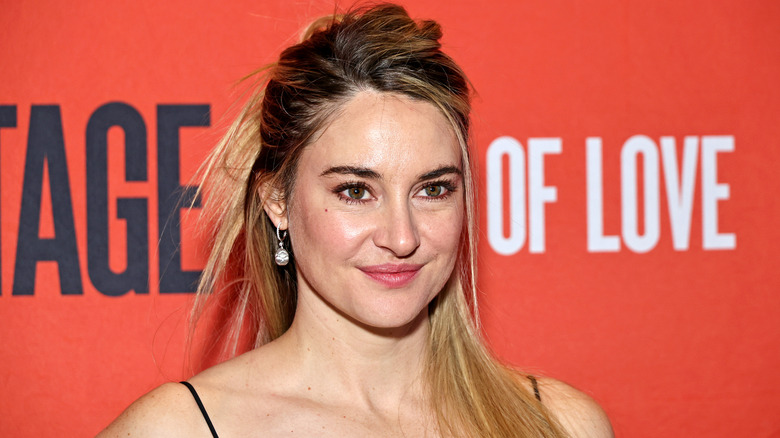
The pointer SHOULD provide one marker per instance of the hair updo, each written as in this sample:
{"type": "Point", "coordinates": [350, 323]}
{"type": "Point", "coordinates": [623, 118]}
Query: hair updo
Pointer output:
{"type": "Point", "coordinates": [380, 50]}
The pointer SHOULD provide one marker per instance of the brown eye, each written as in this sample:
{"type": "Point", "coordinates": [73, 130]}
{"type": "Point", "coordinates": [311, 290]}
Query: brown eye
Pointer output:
{"type": "Point", "coordinates": [433, 190]}
{"type": "Point", "coordinates": [356, 192]}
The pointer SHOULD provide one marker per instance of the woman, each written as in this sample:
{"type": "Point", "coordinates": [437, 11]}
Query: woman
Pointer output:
{"type": "Point", "coordinates": [344, 245]}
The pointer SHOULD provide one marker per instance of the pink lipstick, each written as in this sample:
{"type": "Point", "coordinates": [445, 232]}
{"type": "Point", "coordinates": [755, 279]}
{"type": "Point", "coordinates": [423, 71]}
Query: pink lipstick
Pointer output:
{"type": "Point", "coordinates": [390, 275]}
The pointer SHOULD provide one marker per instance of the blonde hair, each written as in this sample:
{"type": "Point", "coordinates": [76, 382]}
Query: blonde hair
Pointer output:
{"type": "Point", "coordinates": [378, 48]}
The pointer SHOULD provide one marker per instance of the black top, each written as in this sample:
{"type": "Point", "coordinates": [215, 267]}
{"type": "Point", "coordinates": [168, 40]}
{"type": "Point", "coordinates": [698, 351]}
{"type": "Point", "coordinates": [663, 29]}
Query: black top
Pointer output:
{"type": "Point", "coordinates": [202, 409]}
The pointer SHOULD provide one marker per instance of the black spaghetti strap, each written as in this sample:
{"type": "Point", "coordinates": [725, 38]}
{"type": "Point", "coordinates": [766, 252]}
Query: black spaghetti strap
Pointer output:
{"type": "Point", "coordinates": [202, 409]}
{"type": "Point", "coordinates": [535, 385]}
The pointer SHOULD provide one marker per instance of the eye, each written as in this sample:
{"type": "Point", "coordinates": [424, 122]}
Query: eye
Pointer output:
{"type": "Point", "coordinates": [434, 190]}
{"type": "Point", "coordinates": [437, 190]}
{"type": "Point", "coordinates": [356, 192]}
{"type": "Point", "coordinates": [353, 192]}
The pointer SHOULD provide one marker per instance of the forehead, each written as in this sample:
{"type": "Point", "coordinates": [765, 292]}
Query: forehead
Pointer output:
{"type": "Point", "coordinates": [386, 132]}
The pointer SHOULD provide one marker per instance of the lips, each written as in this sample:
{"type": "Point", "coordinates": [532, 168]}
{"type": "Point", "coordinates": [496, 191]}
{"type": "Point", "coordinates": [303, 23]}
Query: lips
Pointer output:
{"type": "Point", "coordinates": [390, 275]}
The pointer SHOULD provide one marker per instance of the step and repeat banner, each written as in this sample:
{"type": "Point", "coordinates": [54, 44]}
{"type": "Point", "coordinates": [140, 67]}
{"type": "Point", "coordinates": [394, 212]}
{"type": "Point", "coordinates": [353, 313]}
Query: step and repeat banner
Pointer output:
{"type": "Point", "coordinates": [628, 164]}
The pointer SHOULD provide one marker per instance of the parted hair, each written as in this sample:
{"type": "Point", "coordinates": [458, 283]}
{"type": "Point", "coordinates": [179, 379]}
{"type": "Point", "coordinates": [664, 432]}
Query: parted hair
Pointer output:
{"type": "Point", "coordinates": [381, 49]}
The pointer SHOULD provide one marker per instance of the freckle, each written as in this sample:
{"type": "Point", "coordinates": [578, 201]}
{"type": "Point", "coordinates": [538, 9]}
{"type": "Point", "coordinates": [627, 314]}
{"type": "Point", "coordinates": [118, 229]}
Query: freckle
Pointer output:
{"type": "Point", "coordinates": [310, 388]}
{"type": "Point", "coordinates": [333, 339]}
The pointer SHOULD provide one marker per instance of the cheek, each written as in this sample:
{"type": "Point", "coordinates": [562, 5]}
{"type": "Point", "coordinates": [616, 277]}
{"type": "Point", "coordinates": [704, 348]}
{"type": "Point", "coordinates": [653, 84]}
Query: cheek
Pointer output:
{"type": "Point", "coordinates": [321, 233]}
{"type": "Point", "coordinates": [443, 231]}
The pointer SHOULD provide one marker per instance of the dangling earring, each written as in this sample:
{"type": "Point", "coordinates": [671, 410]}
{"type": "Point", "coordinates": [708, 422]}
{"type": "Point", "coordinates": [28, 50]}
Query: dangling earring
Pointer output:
{"type": "Point", "coordinates": [282, 256]}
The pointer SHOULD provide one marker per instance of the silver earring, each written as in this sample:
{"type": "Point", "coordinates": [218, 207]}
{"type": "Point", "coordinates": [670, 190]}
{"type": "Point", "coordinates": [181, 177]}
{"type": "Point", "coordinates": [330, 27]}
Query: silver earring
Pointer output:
{"type": "Point", "coordinates": [282, 256]}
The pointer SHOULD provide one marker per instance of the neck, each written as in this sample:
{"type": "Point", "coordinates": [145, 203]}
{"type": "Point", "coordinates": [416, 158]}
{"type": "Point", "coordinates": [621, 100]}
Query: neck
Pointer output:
{"type": "Point", "coordinates": [350, 360]}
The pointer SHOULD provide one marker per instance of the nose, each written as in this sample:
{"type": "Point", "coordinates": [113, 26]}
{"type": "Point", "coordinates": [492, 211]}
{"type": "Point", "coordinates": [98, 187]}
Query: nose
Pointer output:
{"type": "Point", "coordinates": [397, 231]}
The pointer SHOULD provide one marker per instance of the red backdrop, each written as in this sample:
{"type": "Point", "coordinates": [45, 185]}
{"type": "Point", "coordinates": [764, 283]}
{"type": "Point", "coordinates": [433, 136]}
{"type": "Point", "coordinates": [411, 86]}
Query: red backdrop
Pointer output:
{"type": "Point", "coordinates": [643, 271]}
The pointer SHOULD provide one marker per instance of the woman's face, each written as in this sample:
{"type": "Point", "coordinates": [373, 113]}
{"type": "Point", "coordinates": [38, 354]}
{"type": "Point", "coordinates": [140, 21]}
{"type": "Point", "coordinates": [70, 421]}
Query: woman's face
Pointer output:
{"type": "Point", "coordinates": [376, 212]}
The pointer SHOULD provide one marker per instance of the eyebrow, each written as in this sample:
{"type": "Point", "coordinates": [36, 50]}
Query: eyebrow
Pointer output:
{"type": "Point", "coordinates": [441, 171]}
{"type": "Point", "coordinates": [365, 172]}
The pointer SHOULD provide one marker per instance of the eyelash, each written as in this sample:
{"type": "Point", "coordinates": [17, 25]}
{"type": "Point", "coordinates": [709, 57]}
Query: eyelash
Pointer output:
{"type": "Point", "coordinates": [338, 190]}
{"type": "Point", "coordinates": [449, 186]}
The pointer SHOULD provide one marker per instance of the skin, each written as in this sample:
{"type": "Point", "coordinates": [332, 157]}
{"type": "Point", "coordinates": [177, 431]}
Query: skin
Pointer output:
{"type": "Point", "coordinates": [362, 201]}
{"type": "Point", "coordinates": [379, 190]}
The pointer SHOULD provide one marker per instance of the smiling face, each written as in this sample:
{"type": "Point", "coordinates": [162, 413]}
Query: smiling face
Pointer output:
{"type": "Point", "coordinates": [377, 209]}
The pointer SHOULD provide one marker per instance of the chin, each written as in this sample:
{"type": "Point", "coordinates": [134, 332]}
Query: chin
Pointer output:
{"type": "Point", "coordinates": [392, 326]}
{"type": "Point", "coordinates": [392, 313]}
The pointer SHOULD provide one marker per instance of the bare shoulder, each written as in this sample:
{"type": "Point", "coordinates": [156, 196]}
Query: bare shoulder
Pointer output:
{"type": "Point", "coordinates": [578, 413]}
{"type": "Point", "coordinates": [168, 410]}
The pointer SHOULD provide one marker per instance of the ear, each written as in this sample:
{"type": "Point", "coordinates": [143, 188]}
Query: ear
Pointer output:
{"type": "Point", "coordinates": [274, 205]}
